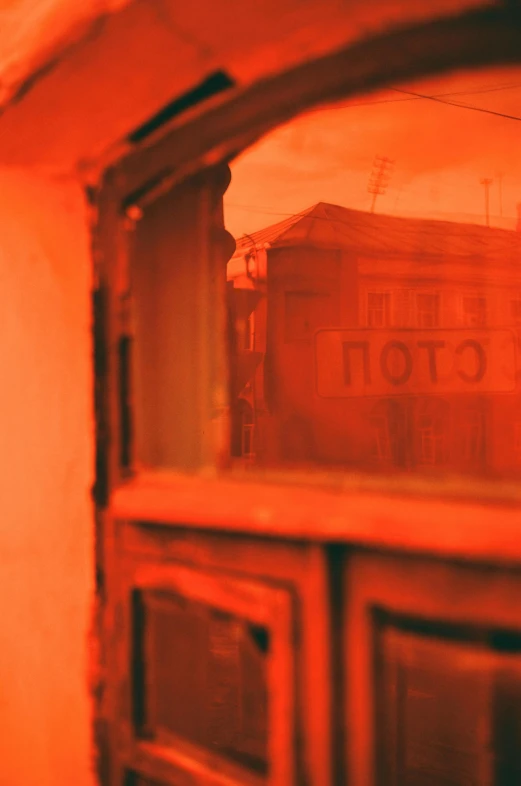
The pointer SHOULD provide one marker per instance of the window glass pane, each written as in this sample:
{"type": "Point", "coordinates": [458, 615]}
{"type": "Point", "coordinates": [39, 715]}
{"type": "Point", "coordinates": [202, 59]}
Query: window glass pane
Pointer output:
{"type": "Point", "coordinates": [378, 254]}
{"type": "Point", "coordinates": [201, 675]}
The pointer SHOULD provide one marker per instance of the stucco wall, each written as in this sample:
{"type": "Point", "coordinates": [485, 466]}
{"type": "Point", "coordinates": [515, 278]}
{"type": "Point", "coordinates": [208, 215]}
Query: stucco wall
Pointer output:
{"type": "Point", "coordinates": [46, 529]}
{"type": "Point", "coordinates": [174, 46]}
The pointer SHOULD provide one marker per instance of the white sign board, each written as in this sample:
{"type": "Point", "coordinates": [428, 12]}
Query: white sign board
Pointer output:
{"type": "Point", "coordinates": [374, 362]}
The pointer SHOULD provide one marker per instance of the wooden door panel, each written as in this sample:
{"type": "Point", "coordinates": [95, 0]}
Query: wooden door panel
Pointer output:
{"type": "Point", "coordinates": [434, 673]}
{"type": "Point", "coordinates": [217, 673]}
{"type": "Point", "coordinates": [201, 644]}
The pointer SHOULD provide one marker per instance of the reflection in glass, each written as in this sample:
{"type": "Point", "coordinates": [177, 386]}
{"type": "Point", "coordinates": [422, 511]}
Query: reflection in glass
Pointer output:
{"type": "Point", "coordinates": [385, 290]}
{"type": "Point", "coordinates": [373, 349]}
{"type": "Point", "coordinates": [378, 309]}
{"type": "Point", "coordinates": [201, 676]}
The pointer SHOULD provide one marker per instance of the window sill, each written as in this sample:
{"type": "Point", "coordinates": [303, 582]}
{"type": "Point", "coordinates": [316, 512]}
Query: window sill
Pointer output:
{"type": "Point", "coordinates": [444, 528]}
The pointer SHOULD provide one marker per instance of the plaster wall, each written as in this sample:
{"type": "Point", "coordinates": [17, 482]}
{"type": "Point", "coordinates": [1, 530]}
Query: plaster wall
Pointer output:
{"type": "Point", "coordinates": [173, 47]}
{"type": "Point", "coordinates": [46, 527]}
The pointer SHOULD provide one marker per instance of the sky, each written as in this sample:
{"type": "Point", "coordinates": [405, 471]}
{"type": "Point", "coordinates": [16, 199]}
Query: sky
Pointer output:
{"type": "Point", "coordinates": [440, 152]}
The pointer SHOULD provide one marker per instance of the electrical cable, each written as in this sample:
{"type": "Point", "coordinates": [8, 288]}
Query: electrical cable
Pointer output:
{"type": "Point", "coordinates": [418, 97]}
{"type": "Point", "coordinates": [439, 100]}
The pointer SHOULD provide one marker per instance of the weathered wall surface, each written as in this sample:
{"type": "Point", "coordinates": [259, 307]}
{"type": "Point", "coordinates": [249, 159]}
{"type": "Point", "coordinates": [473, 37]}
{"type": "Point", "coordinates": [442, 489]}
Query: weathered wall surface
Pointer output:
{"type": "Point", "coordinates": [174, 46]}
{"type": "Point", "coordinates": [46, 527]}
{"type": "Point", "coordinates": [35, 31]}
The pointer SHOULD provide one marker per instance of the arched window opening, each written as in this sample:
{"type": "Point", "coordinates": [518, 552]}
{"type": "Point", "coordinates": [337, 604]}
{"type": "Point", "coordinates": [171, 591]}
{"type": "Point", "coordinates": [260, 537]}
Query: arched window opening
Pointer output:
{"type": "Point", "coordinates": [392, 342]}
{"type": "Point", "coordinates": [393, 286]}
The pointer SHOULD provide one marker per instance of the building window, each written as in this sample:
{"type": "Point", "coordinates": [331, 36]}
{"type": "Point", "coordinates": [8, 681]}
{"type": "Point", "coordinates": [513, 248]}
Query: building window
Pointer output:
{"type": "Point", "coordinates": [431, 426]}
{"type": "Point", "coordinates": [427, 309]}
{"type": "Point", "coordinates": [247, 440]}
{"type": "Point", "coordinates": [381, 443]}
{"type": "Point", "coordinates": [388, 421]}
{"type": "Point", "coordinates": [378, 309]}
{"type": "Point", "coordinates": [249, 342]}
{"type": "Point", "coordinates": [243, 430]}
{"type": "Point", "coordinates": [474, 311]}
{"type": "Point", "coordinates": [244, 331]}
{"type": "Point", "coordinates": [474, 435]}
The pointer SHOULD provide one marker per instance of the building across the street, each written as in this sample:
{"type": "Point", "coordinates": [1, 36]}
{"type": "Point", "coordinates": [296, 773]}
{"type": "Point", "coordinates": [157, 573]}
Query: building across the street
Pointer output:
{"type": "Point", "coordinates": [377, 342]}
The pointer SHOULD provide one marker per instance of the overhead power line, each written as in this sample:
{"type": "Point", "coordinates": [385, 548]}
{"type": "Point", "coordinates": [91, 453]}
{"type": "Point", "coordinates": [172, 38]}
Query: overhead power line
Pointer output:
{"type": "Point", "coordinates": [419, 97]}
{"type": "Point", "coordinates": [439, 100]}
{"type": "Point", "coordinates": [486, 182]}
{"type": "Point", "coordinates": [265, 212]}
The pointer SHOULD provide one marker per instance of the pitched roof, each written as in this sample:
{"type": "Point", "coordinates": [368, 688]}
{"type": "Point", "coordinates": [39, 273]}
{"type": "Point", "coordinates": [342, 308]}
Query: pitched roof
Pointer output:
{"type": "Point", "coordinates": [331, 226]}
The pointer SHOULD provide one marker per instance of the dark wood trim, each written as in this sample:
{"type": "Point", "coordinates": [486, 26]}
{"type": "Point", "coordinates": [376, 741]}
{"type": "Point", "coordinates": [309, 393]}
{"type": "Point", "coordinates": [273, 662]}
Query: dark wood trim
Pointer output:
{"type": "Point", "coordinates": [465, 598]}
{"type": "Point", "coordinates": [291, 584]}
{"type": "Point", "coordinates": [487, 37]}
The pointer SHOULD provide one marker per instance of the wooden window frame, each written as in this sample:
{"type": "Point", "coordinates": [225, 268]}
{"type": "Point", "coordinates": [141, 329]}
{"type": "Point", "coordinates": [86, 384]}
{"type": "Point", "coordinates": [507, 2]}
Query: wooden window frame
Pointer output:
{"type": "Point", "coordinates": [468, 316]}
{"type": "Point", "coordinates": [303, 509]}
{"type": "Point", "coordinates": [436, 295]}
{"type": "Point", "coordinates": [217, 133]}
{"type": "Point", "coordinates": [381, 435]}
{"type": "Point", "coordinates": [387, 308]}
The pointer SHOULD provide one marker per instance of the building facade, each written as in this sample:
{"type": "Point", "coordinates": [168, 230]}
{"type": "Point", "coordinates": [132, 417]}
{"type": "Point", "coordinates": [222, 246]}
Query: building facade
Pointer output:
{"type": "Point", "coordinates": [386, 343]}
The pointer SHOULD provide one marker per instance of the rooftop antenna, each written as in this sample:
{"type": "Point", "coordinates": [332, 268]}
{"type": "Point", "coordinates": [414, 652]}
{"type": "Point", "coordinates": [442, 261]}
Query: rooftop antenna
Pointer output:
{"type": "Point", "coordinates": [500, 177]}
{"type": "Point", "coordinates": [485, 182]}
{"type": "Point", "coordinates": [379, 179]}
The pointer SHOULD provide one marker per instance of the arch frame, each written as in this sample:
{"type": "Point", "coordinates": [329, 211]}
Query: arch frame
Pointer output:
{"type": "Point", "coordinates": [219, 130]}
